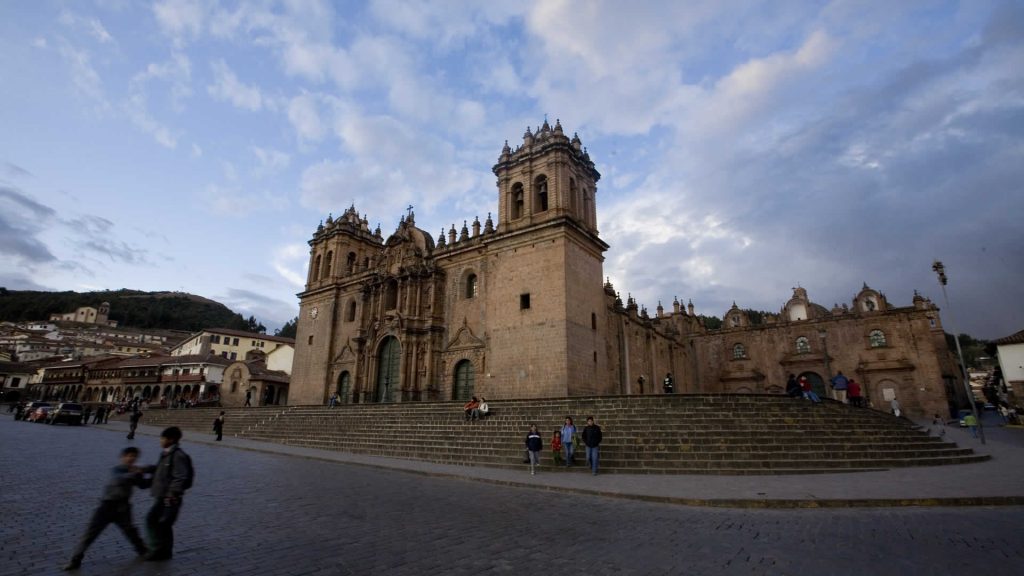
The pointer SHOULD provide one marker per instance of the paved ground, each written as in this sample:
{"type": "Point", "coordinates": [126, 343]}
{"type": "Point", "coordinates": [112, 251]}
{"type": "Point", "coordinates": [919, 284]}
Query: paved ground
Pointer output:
{"type": "Point", "coordinates": [273, 512]}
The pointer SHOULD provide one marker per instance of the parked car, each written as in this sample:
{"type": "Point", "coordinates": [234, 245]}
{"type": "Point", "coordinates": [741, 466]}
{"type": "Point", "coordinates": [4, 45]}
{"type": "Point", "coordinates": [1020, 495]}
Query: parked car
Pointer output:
{"type": "Point", "coordinates": [68, 412]}
{"type": "Point", "coordinates": [41, 413]}
{"type": "Point", "coordinates": [30, 408]}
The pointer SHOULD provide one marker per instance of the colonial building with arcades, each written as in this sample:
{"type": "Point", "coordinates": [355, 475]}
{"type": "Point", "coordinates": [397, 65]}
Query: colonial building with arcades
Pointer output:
{"type": "Point", "coordinates": [519, 308]}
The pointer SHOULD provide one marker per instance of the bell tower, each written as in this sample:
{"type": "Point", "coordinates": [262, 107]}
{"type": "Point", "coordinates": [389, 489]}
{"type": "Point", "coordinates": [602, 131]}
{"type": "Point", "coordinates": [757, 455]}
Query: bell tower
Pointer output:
{"type": "Point", "coordinates": [544, 279]}
{"type": "Point", "coordinates": [549, 176]}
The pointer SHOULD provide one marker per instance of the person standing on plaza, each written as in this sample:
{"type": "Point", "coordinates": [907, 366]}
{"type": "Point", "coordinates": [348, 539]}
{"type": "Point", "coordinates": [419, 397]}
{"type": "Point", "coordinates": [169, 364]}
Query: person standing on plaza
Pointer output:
{"type": "Point", "coordinates": [533, 447]}
{"type": "Point", "coordinates": [568, 432]}
{"type": "Point", "coordinates": [172, 476]}
{"type": "Point", "coordinates": [218, 426]}
{"type": "Point", "coordinates": [115, 508]}
{"type": "Point", "coordinates": [839, 387]}
{"type": "Point", "coordinates": [592, 440]}
{"type": "Point", "coordinates": [669, 384]}
{"type": "Point", "coordinates": [853, 390]}
{"type": "Point", "coordinates": [133, 423]}
{"type": "Point", "coordinates": [86, 412]}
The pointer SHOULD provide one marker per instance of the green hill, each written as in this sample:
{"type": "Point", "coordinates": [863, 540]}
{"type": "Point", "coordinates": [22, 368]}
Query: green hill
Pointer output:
{"type": "Point", "coordinates": [133, 308]}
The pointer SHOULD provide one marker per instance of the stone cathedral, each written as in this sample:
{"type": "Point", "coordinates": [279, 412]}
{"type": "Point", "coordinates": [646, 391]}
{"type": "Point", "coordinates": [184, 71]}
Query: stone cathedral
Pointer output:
{"type": "Point", "coordinates": [519, 308]}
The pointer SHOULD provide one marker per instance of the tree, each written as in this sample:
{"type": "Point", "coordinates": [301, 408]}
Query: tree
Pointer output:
{"type": "Point", "coordinates": [252, 325]}
{"type": "Point", "coordinates": [289, 328]}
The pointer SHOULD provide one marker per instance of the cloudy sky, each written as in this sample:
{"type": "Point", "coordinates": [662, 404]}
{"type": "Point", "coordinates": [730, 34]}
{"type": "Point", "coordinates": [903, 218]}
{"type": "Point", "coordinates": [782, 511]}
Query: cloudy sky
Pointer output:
{"type": "Point", "coordinates": [746, 147]}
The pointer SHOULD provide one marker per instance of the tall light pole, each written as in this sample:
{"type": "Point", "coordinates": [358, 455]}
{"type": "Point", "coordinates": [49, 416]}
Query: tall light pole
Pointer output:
{"type": "Point", "coordinates": [940, 270]}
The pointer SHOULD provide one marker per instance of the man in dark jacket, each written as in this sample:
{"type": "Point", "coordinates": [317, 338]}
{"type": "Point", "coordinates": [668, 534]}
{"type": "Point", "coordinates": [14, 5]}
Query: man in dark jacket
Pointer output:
{"type": "Point", "coordinates": [172, 476]}
{"type": "Point", "coordinates": [115, 507]}
{"type": "Point", "coordinates": [592, 439]}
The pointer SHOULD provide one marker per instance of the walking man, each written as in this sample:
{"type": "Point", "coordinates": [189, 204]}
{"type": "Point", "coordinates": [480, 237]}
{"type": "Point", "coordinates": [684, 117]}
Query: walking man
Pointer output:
{"type": "Point", "coordinates": [592, 440]}
{"type": "Point", "coordinates": [133, 423]}
{"type": "Point", "coordinates": [172, 476]}
{"type": "Point", "coordinates": [218, 426]}
{"type": "Point", "coordinates": [839, 386]}
{"type": "Point", "coordinates": [115, 508]}
{"type": "Point", "coordinates": [248, 397]}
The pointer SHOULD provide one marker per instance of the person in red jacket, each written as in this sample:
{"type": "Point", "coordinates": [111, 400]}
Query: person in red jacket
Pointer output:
{"type": "Point", "coordinates": [809, 394]}
{"type": "Point", "coordinates": [556, 447]}
{"type": "Point", "coordinates": [853, 391]}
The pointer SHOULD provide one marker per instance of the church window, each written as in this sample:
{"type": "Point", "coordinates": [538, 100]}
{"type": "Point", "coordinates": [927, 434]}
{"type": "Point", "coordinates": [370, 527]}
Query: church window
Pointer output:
{"type": "Point", "coordinates": [471, 286]}
{"type": "Point", "coordinates": [573, 196]}
{"type": "Point", "coordinates": [877, 339]}
{"type": "Point", "coordinates": [234, 386]}
{"type": "Point", "coordinates": [739, 352]}
{"type": "Point", "coordinates": [327, 264]}
{"type": "Point", "coordinates": [351, 315]}
{"type": "Point", "coordinates": [391, 295]}
{"type": "Point", "coordinates": [803, 345]}
{"type": "Point", "coordinates": [540, 186]}
{"type": "Point", "coordinates": [593, 321]}
{"type": "Point", "coordinates": [310, 340]}
{"type": "Point", "coordinates": [524, 301]}
{"type": "Point", "coordinates": [316, 268]}
{"type": "Point", "coordinates": [517, 200]}
{"type": "Point", "coordinates": [586, 206]}
{"type": "Point", "coordinates": [350, 262]}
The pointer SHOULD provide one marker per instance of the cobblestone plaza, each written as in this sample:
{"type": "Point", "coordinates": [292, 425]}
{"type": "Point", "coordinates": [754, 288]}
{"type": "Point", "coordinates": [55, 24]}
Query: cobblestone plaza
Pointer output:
{"type": "Point", "coordinates": [252, 512]}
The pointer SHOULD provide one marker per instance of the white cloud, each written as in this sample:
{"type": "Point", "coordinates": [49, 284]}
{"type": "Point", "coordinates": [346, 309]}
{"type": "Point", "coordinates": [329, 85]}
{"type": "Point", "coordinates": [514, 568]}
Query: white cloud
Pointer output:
{"type": "Point", "coordinates": [270, 161]}
{"type": "Point", "coordinates": [86, 80]}
{"type": "Point", "coordinates": [387, 165]}
{"type": "Point", "coordinates": [91, 26]}
{"type": "Point", "coordinates": [197, 151]}
{"type": "Point", "coordinates": [136, 109]}
{"type": "Point", "coordinates": [304, 115]}
{"type": "Point", "coordinates": [228, 88]}
{"type": "Point", "coordinates": [181, 18]}
{"type": "Point", "coordinates": [290, 262]}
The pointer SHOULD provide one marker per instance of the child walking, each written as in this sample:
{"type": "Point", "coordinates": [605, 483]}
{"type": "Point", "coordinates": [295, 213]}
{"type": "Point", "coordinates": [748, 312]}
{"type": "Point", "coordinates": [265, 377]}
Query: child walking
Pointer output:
{"type": "Point", "coordinates": [115, 507]}
{"type": "Point", "coordinates": [556, 447]}
{"type": "Point", "coordinates": [533, 447]}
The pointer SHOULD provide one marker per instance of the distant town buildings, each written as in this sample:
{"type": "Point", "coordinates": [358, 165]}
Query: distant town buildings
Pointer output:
{"type": "Point", "coordinates": [90, 359]}
{"type": "Point", "coordinates": [87, 315]}
{"type": "Point", "coordinates": [1010, 350]}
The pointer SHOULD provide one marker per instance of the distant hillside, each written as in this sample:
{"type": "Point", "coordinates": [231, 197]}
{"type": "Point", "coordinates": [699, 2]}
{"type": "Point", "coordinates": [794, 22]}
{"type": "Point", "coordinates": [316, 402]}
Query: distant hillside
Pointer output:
{"type": "Point", "coordinates": [166, 310]}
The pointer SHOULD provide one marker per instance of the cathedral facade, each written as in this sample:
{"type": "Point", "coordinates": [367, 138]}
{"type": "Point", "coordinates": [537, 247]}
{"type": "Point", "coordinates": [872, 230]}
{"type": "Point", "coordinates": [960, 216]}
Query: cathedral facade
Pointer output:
{"type": "Point", "coordinates": [519, 308]}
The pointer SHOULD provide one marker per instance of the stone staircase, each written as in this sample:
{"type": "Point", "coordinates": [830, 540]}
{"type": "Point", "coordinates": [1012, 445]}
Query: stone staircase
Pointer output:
{"type": "Point", "coordinates": [663, 434]}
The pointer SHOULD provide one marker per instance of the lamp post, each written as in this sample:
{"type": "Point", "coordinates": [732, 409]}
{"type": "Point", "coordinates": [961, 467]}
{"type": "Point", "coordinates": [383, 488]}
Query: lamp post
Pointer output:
{"type": "Point", "coordinates": [940, 270]}
{"type": "Point", "coordinates": [824, 349]}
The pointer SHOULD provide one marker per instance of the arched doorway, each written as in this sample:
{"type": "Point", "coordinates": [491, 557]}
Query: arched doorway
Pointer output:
{"type": "Point", "coordinates": [345, 387]}
{"type": "Point", "coordinates": [388, 376]}
{"type": "Point", "coordinates": [817, 384]}
{"type": "Point", "coordinates": [462, 388]}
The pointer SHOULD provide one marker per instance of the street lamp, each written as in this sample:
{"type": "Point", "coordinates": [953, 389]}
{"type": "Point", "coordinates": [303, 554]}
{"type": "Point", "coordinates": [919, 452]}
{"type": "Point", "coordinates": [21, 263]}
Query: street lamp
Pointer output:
{"type": "Point", "coordinates": [824, 348]}
{"type": "Point", "coordinates": [940, 270]}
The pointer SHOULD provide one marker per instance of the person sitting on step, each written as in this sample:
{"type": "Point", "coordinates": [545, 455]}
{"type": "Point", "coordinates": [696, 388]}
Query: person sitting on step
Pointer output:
{"type": "Point", "coordinates": [482, 410]}
{"type": "Point", "coordinates": [470, 408]}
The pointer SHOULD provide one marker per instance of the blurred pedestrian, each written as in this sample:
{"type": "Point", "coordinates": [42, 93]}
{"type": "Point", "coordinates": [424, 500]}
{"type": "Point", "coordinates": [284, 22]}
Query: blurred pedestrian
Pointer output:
{"type": "Point", "coordinates": [115, 508]}
{"type": "Point", "coordinates": [172, 476]}
{"type": "Point", "coordinates": [218, 426]}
